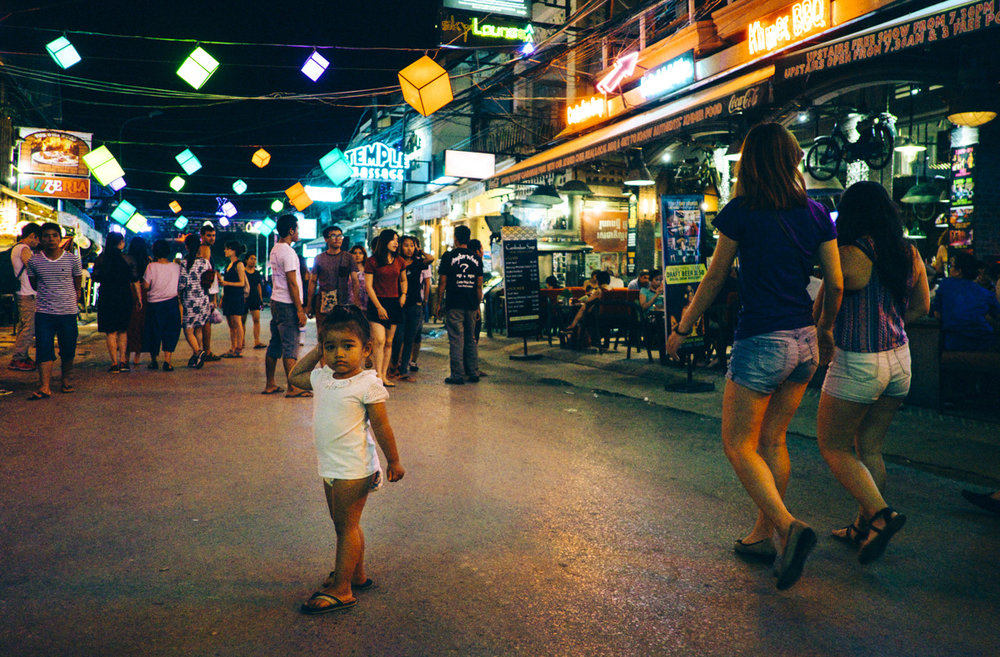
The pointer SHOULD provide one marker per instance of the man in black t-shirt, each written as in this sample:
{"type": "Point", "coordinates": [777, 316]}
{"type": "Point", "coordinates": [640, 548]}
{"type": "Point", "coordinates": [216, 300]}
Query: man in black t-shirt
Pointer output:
{"type": "Point", "coordinates": [461, 284]}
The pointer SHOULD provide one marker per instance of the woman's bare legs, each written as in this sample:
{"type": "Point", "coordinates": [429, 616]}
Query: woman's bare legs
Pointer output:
{"type": "Point", "coordinates": [774, 450]}
{"type": "Point", "coordinates": [111, 340]}
{"type": "Point", "coordinates": [378, 348]}
{"type": "Point", "coordinates": [390, 333]}
{"type": "Point", "coordinates": [744, 412]}
{"type": "Point", "coordinates": [193, 336]}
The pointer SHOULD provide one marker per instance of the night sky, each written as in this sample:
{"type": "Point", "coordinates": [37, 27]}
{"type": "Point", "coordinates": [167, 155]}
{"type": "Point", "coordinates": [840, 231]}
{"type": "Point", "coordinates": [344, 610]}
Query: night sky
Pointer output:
{"type": "Point", "coordinates": [222, 133]}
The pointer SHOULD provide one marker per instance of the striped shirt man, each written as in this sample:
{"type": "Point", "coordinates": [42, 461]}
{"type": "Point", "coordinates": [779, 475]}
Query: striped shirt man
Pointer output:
{"type": "Point", "coordinates": [55, 287]}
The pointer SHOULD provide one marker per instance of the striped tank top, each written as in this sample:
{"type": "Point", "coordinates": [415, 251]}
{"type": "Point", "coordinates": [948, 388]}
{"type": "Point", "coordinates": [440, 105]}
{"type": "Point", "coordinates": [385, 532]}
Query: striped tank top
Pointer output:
{"type": "Point", "coordinates": [870, 320]}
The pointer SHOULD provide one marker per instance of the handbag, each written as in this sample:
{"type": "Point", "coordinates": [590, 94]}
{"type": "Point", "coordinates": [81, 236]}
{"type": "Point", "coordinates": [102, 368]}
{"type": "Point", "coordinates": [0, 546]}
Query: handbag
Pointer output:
{"type": "Point", "coordinates": [215, 316]}
{"type": "Point", "coordinates": [327, 301]}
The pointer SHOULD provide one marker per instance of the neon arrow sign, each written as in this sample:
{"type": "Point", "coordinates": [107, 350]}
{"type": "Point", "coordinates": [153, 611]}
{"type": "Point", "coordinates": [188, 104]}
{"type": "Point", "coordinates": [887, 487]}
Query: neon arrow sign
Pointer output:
{"type": "Point", "coordinates": [623, 68]}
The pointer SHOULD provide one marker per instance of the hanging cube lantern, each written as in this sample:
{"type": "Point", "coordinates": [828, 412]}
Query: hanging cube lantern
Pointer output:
{"type": "Point", "coordinates": [425, 85]}
{"type": "Point", "coordinates": [223, 221]}
{"type": "Point", "coordinates": [103, 165]}
{"type": "Point", "coordinates": [117, 184]}
{"type": "Point", "coordinates": [177, 183]}
{"type": "Point", "coordinates": [138, 224]}
{"type": "Point", "coordinates": [267, 226]}
{"type": "Point", "coordinates": [337, 167]}
{"type": "Point", "coordinates": [261, 158]}
{"type": "Point", "coordinates": [198, 68]}
{"type": "Point", "coordinates": [277, 206]}
{"type": "Point", "coordinates": [297, 196]}
{"type": "Point", "coordinates": [181, 222]}
{"type": "Point", "coordinates": [315, 66]}
{"type": "Point", "coordinates": [63, 52]}
{"type": "Point", "coordinates": [239, 187]}
{"type": "Point", "coordinates": [188, 161]}
{"type": "Point", "coordinates": [228, 210]}
{"type": "Point", "coordinates": [123, 212]}
{"type": "Point", "coordinates": [175, 206]}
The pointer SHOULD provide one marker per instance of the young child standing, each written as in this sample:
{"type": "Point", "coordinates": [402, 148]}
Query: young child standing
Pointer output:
{"type": "Point", "coordinates": [348, 408]}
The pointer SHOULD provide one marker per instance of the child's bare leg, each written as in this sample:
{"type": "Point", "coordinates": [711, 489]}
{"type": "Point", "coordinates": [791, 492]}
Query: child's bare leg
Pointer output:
{"type": "Point", "coordinates": [346, 499]}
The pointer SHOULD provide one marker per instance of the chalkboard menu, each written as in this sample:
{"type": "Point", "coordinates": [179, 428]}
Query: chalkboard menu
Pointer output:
{"type": "Point", "coordinates": [520, 276]}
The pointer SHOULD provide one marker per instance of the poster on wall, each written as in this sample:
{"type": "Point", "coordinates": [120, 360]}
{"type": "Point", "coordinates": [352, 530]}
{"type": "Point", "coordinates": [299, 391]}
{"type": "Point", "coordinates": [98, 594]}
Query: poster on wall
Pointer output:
{"type": "Point", "coordinates": [683, 221]}
{"type": "Point", "coordinates": [962, 197]}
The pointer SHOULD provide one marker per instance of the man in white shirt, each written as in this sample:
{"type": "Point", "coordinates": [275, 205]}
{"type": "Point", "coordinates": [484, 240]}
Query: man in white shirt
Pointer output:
{"type": "Point", "coordinates": [287, 313]}
{"type": "Point", "coordinates": [615, 281]}
{"type": "Point", "coordinates": [640, 281]}
{"type": "Point", "coordinates": [19, 257]}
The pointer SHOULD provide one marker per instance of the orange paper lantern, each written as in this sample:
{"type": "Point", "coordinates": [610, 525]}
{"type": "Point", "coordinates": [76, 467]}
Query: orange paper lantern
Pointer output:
{"type": "Point", "coordinates": [297, 196]}
{"type": "Point", "coordinates": [261, 158]}
{"type": "Point", "coordinates": [425, 85]}
{"type": "Point", "coordinates": [175, 206]}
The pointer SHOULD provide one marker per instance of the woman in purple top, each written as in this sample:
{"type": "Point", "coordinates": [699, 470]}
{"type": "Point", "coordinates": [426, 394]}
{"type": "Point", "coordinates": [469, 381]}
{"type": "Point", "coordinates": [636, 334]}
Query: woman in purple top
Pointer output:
{"type": "Point", "coordinates": [777, 233]}
{"type": "Point", "coordinates": [886, 285]}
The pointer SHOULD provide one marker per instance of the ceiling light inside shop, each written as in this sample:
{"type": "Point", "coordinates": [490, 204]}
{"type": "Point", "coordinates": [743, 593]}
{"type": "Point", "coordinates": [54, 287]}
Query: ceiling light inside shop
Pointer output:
{"type": "Point", "coordinates": [909, 147]}
{"type": "Point", "coordinates": [638, 174]}
{"type": "Point", "coordinates": [576, 188]}
{"type": "Point", "coordinates": [546, 195]}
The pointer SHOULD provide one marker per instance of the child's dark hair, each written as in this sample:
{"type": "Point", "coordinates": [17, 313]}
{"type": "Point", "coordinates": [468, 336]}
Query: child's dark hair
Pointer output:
{"type": "Point", "coordinates": [347, 317]}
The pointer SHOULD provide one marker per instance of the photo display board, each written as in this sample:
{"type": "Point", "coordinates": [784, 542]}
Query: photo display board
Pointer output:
{"type": "Point", "coordinates": [520, 279]}
{"type": "Point", "coordinates": [683, 222]}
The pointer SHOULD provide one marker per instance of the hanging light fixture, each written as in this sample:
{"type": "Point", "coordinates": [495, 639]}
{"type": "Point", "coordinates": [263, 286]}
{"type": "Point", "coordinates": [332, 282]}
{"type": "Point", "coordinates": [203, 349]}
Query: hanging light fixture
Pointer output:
{"type": "Point", "coordinates": [261, 158]}
{"type": "Point", "coordinates": [239, 186]}
{"type": "Point", "coordinates": [175, 206]}
{"type": "Point", "coordinates": [497, 192]}
{"type": "Point", "coordinates": [908, 146]}
{"type": "Point", "coordinates": [177, 183]}
{"type": "Point", "coordinates": [103, 165]}
{"type": "Point", "coordinates": [576, 188]}
{"type": "Point", "coordinates": [425, 85]}
{"type": "Point", "coordinates": [123, 212]}
{"type": "Point", "coordinates": [971, 108]}
{"type": "Point", "coordinates": [117, 184]}
{"type": "Point", "coordinates": [315, 66]}
{"type": "Point", "coordinates": [638, 174]}
{"type": "Point", "coordinates": [188, 161]}
{"type": "Point", "coordinates": [63, 52]}
{"type": "Point", "coordinates": [546, 195]}
{"type": "Point", "coordinates": [198, 68]}
{"type": "Point", "coordinates": [277, 206]}
{"type": "Point", "coordinates": [337, 167]}
{"type": "Point", "coordinates": [181, 222]}
{"type": "Point", "coordinates": [297, 196]}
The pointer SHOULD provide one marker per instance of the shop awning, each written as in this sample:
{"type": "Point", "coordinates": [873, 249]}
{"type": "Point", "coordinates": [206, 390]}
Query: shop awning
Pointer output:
{"type": "Point", "coordinates": [716, 102]}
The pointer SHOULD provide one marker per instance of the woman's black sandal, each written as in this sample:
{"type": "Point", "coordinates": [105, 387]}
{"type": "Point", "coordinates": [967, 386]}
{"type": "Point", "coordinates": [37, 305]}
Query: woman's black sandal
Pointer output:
{"type": "Point", "coordinates": [853, 534]}
{"type": "Point", "coordinates": [873, 547]}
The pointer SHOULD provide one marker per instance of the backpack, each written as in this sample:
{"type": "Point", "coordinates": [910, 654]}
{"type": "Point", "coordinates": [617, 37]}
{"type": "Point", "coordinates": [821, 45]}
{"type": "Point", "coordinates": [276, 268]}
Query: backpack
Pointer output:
{"type": "Point", "coordinates": [9, 279]}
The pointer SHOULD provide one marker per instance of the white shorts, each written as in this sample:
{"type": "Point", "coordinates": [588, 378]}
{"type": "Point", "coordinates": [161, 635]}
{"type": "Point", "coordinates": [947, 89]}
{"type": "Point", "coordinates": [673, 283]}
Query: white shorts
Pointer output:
{"type": "Point", "coordinates": [864, 377]}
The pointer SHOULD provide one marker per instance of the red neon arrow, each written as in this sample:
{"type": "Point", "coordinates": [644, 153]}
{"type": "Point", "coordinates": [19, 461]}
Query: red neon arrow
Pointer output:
{"type": "Point", "coordinates": [624, 67]}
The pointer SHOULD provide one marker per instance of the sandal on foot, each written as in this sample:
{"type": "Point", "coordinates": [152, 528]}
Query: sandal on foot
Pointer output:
{"type": "Point", "coordinates": [853, 534]}
{"type": "Point", "coordinates": [762, 549]}
{"type": "Point", "coordinates": [878, 538]}
{"type": "Point", "coordinates": [801, 541]}
{"type": "Point", "coordinates": [37, 395]}
{"type": "Point", "coordinates": [334, 604]}
{"type": "Point", "coordinates": [67, 389]}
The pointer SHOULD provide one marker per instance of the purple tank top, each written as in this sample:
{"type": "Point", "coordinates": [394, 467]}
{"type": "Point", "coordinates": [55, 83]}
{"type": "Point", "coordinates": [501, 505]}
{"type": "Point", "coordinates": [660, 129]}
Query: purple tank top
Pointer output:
{"type": "Point", "coordinates": [870, 320]}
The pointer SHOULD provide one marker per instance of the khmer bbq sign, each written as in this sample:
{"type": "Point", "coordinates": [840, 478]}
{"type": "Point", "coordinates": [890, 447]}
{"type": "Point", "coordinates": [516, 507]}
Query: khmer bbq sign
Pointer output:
{"type": "Point", "coordinates": [787, 26]}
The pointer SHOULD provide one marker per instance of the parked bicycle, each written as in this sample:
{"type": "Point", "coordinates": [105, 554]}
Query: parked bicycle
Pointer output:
{"type": "Point", "coordinates": [876, 135]}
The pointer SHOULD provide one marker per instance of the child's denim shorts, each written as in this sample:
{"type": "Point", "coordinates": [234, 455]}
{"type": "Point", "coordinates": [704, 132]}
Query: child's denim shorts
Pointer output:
{"type": "Point", "coordinates": [763, 362]}
{"type": "Point", "coordinates": [864, 377]}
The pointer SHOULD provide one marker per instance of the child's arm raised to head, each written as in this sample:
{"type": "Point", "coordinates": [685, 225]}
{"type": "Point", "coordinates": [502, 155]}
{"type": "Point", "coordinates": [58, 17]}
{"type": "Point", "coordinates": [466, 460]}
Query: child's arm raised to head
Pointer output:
{"type": "Point", "coordinates": [299, 376]}
{"type": "Point", "coordinates": [386, 440]}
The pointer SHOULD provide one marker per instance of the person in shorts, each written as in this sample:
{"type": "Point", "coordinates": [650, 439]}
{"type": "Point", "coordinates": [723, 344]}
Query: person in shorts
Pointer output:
{"type": "Point", "coordinates": [776, 231]}
{"type": "Point", "coordinates": [886, 286]}
{"type": "Point", "coordinates": [287, 313]}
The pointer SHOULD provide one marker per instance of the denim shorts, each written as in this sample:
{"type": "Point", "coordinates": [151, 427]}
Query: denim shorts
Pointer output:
{"type": "Point", "coordinates": [763, 362]}
{"type": "Point", "coordinates": [864, 377]}
{"type": "Point", "coordinates": [47, 329]}
{"type": "Point", "coordinates": [284, 332]}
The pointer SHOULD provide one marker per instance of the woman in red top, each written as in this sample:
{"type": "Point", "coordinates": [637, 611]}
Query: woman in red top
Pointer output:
{"type": "Point", "coordinates": [385, 282]}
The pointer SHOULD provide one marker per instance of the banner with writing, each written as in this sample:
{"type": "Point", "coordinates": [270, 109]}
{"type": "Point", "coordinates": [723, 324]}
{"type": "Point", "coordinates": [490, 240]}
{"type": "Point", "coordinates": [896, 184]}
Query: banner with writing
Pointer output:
{"type": "Point", "coordinates": [927, 30]}
{"type": "Point", "coordinates": [520, 278]}
{"type": "Point", "coordinates": [683, 222]}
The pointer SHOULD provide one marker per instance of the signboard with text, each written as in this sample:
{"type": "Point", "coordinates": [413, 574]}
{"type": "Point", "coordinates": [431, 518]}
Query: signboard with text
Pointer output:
{"type": "Point", "coordinates": [378, 162]}
{"type": "Point", "coordinates": [520, 279]}
{"type": "Point", "coordinates": [683, 221]}
{"type": "Point", "coordinates": [963, 164]}
{"type": "Point", "coordinates": [605, 230]}
{"type": "Point", "coordinates": [462, 29]}
{"type": "Point", "coordinates": [50, 164]}
{"type": "Point", "coordinates": [519, 8]}
{"type": "Point", "coordinates": [787, 26]}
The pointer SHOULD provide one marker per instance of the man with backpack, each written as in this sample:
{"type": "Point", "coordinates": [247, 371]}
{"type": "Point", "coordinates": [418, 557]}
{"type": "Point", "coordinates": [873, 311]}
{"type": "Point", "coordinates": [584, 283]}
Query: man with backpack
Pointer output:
{"type": "Point", "coordinates": [16, 281]}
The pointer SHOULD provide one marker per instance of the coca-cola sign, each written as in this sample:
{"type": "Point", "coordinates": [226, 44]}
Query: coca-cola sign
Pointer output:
{"type": "Point", "coordinates": [744, 100]}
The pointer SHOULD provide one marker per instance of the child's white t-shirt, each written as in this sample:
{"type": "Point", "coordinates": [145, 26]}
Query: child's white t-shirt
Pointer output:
{"type": "Point", "coordinates": [345, 446]}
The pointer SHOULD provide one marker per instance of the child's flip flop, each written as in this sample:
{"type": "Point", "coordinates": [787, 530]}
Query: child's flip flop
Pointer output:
{"type": "Point", "coordinates": [335, 604]}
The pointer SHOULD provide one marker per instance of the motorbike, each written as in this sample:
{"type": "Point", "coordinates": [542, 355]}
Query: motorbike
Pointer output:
{"type": "Point", "coordinates": [874, 145]}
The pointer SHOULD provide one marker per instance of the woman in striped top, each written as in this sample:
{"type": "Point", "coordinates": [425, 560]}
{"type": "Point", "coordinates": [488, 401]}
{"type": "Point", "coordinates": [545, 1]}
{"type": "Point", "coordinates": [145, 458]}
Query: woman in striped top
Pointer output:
{"type": "Point", "coordinates": [885, 285]}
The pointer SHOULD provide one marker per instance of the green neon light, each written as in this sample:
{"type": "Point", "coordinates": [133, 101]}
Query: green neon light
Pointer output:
{"type": "Point", "coordinates": [526, 34]}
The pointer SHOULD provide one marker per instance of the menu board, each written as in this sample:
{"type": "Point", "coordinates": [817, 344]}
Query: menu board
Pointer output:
{"type": "Point", "coordinates": [520, 275]}
{"type": "Point", "coordinates": [683, 221]}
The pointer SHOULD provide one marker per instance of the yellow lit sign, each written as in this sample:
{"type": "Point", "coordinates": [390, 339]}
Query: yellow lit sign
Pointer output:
{"type": "Point", "coordinates": [586, 109]}
{"type": "Point", "coordinates": [787, 26]}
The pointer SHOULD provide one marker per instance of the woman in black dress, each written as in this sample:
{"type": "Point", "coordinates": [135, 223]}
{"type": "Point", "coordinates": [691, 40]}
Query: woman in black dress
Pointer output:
{"type": "Point", "coordinates": [255, 301]}
{"type": "Point", "coordinates": [119, 293]}
{"type": "Point", "coordinates": [235, 288]}
{"type": "Point", "coordinates": [138, 250]}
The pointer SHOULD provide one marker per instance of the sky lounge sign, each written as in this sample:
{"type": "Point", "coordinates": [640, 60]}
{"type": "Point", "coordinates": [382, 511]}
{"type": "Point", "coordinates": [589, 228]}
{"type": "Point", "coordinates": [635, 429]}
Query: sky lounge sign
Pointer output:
{"type": "Point", "coordinates": [787, 26]}
{"type": "Point", "coordinates": [378, 162]}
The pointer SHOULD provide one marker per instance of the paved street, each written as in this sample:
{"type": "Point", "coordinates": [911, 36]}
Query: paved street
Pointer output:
{"type": "Point", "coordinates": [180, 514]}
